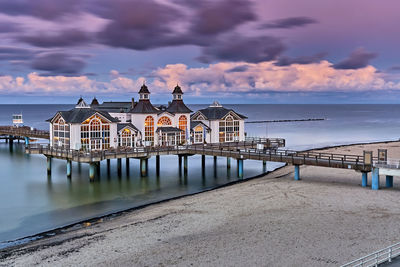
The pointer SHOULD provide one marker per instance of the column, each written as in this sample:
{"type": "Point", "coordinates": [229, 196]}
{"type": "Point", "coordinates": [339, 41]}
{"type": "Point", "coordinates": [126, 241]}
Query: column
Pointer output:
{"type": "Point", "coordinates": [119, 166]}
{"type": "Point", "coordinates": [69, 168]}
{"type": "Point", "coordinates": [297, 172]}
{"type": "Point", "coordinates": [215, 161]}
{"type": "Point", "coordinates": [98, 169]}
{"type": "Point", "coordinates": [364, 181]}
{"type": "Point", "coordinates": [143, 167]}
{"type": "Point", "coordinates": [108, 165]}
{"type": "Point", "coordinates": [228, 163]}
{"type": "Point", "coordinates": [264, 163]}
{"type": "Point", "coordinates": [375, 179]}
{"type": "Point", "coordinates": [158, 165]}
{"type": "Point", "coordinates": [203, 162]}
{"type": "Point", "coordinates": [26, 141]}
{"type": "Point", "coordinates": [389, 181]}
{"type": "Point", "coordinates": [185, 165]}
{"type": "Point", "coordinates": [240, 168]}
{"type": "Point", "coordinates": [92, 170]}
{"type": "Point", "coordinates": [48, 165]}
{"type": "Point", "coordinates": [127, 165]}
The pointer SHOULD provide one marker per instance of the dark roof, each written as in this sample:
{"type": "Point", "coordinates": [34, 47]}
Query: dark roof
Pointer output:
{"type": "Point", "coordinates": [144, 90]}
{"type": "Point", "coordinates": [78, 115]}
{"type": "Point", "coordinates": [115, 107]}
{"type": "Point", "coordinates": [168, 129]}
{"type": "Point", "coordinates": [121, 126]}
{"type": "Point", "coordinates": [177, 90]}
{"type": "Point", "coordinates": [94, 102]}
{"type": "Point", "coordinates": [216, 113]}
{"type": "Point", "coordinates": [79, 100]}
{"type": "Point", "coordinates": [144, 106]}
{"type": "Point", "coordinates": [193, 125]}
{"type": "Point", "coordinates": [177, 106]}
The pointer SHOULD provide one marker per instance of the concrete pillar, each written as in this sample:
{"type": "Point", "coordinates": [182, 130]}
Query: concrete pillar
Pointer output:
{"type": "Point", "coordinates": [240, 168]}
{"type": "Point", "coordinates": [143, 167]}
{"type": "Point", "coordinates": [375, 179]}
{"type": "Point", "coordinates": [119, 166]}
{"type": "Point", "coordinates": [297, 172]}
{"type": "Point", "coordinates": [389, 181]}
{"type": "Point", "coordinates": [364, 181]}
{"type": "Point", "coordinates": [228, 163]}
{"type": "Point", "coordinates": [215, 160]}
{"type": "Point", "coordinates": [158, 165]}
{"type": "Point", "coordinates": [98, 169]}
{"type": "Point", "coordinates": [48, 165]}
{"type": "Point", "coordinates": [69, 168]}
{"type": "Point", "coordinates": [203, 162]}
{"type": "Point", "coordinates": [185, 165]}
{"type": "Point", "coordinates": [92, 170]}
{"type": "Point", "coordinates": [127, 165]}
{"type": "Point", "coordinates": [264, 163]}
{"type": "Point", "coordinates": [26, 141]}
{"type": "Point", "coordinates": [108, 165]}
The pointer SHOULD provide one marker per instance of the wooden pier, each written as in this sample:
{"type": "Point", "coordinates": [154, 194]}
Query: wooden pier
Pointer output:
{"type": "Point", "coordinates": [11, 133]}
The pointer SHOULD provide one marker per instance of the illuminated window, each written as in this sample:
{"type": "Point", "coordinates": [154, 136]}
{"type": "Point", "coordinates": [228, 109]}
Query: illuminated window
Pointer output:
{"type": "Point", "coordinates": [61, 133]}
{"type": "Point", "coordinates": [198, 134]}
{"type": "Point", "coordinates": [126, 138]}
{"type": "Point", "coordinates": [164, 121]}
{"type": "Point", "coordinates": [182, 125]}
{"type": "Point", "coordinates": [149, 130]}
{"type": "Point", "coordinates": [95, 134]}
{"type": "Point", "coordinates": [228, 130]}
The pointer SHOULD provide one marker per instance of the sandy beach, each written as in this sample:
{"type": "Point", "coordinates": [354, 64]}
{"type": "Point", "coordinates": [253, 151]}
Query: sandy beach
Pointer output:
{"type": "Point", "coordinates": [326, 219]}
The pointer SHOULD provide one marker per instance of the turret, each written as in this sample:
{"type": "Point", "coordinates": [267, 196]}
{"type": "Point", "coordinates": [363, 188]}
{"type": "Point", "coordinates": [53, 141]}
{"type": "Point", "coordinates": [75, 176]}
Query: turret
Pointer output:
{"type": "Point", "coordinates": [144, 93]}
{"type": "Point", "coordinates": [177, 93]}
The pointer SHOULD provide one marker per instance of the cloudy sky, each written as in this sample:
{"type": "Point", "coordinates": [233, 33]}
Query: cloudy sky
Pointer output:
{"type": "Point", "coordinates": [236, 51]}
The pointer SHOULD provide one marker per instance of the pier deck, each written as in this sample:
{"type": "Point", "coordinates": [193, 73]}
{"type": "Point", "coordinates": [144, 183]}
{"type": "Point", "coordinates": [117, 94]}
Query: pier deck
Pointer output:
{"type": "Point", "coordinates": [23, 131]}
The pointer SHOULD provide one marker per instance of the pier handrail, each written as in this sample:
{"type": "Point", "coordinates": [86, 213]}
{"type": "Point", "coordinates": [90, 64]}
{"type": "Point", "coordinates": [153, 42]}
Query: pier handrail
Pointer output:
{"type": "Point", "coordinates": [389, 164]}
{"type": "Point", "coordinates": [377, 257]}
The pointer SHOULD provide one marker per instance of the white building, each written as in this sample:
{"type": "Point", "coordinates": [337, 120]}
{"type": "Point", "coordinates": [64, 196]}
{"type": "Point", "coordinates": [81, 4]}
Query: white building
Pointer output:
{"type": "Point", "coordinates": [131, 124]}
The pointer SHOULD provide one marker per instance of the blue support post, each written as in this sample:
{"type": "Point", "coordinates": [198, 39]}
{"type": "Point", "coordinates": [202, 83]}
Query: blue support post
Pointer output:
{"type": "Point", "coordinates": [127, 166]}
{"type": "Point", "coordinates": [264, 165]}
{"type": "Point", "coordinates": [92, 170]}
{"type": "Point", "coordinates": [69, 168]}
{"type": "Point", "coordinates": [375, 179]}
{"type": "Point", "coordinates": [158, 165]}
{"type": "Point", "coordinates": [143, 167]}
{"type": "Point", "coordinates": [364, 181]}
{"type": "Point", "coordinates": [228, 163]}
{"type": "Point", "coordinates": [389, 181]}
{"type": "Point", "coordinates": [185, 165]}
{"type": "Point", "coordinates": [240, 168]}
{"type": "Point", "coordinates": [48, 165]}
{"type": "Point", "coordinates": [297, 172]}
{"type": "Point", "coordinates": [26, 141]}
{"type": "Point", "coordinates": [119, 166]}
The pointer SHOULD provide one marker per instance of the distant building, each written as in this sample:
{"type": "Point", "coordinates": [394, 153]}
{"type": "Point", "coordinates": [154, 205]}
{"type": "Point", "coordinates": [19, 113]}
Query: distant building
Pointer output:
{"type": "Point", "coordinates": [131, 124]}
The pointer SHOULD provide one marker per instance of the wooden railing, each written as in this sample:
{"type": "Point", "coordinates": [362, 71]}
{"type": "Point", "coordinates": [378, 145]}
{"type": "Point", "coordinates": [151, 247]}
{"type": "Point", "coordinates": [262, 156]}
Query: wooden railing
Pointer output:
{"type": "Point", "coordinates": [24, 131]}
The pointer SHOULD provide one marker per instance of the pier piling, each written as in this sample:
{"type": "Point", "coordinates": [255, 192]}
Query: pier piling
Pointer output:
{"type": "Point", "coordinates": [389, 181]}
{"type": "Point", "coordinates": [240, 168]}
{"type": "Point", "coordinates": [119, 166]}
{"type": "Point", "coordinates": [108, 165]}
{"type": "Point", "coordinates": [375, 179]}
{"type": "Point", "coordinates": [228, 163]}
{"type": "Point", "coordinates": [92, 170]}
{"type": "Point", "coordinates": [69, 168]}
{"type": "Point", "coordinates": [143, 167]}
{"type": "Point", "coordinates": [158, 165]}
{"type": "Point", "coordinates": [185, 165]}
{"type": "Point", "coordinates": [297, 172]}
{"type": "Point", "coordinates": [364, 181]}
{"type": "Point", "coordinates": [26, 141]}
{"type": "Point", "coordinates": [127, 166]}
{"type": "Point", "coordinates": [48, 165]}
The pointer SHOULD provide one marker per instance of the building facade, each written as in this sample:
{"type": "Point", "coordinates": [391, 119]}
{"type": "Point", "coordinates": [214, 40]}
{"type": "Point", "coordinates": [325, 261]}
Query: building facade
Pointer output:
{"type": "Point", "coordinates": [133, 124]}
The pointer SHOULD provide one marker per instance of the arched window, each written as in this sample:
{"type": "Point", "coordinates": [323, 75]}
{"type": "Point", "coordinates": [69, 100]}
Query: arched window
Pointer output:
{"type": "Point", "coordinates": [61, 133]}
{"type": "Point", "coordinates": [228, 130]}
{"type": "Point", "coordinates": [182, 125]}
{"type": "Point", "coordinates": [126, 138]}
{"type": "Point", "coordinates": [149, 129]}
{"type": "Point", "coordinates": [95, 133]}
{"type": "Point", "coordinates": [164, 121]}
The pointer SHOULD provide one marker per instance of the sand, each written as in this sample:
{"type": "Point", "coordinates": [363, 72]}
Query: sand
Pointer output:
{"type": "Point", "coordinates": [326, 219]}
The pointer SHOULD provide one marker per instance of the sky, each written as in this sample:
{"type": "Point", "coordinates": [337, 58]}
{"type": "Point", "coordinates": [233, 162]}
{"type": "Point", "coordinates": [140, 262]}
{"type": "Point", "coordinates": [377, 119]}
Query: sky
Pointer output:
{"type": "Point", "coordinates": [233, 51]}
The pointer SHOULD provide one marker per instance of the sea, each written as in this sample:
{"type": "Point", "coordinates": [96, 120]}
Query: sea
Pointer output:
{"type": "Point", "coordinates": [32, 202]}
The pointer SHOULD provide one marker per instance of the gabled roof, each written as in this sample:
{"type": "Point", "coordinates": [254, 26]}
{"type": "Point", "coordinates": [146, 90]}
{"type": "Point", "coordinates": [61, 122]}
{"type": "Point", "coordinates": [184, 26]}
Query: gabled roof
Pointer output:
{"type": "Point", "coordinates": [79, 115]}
{"type": "Point", "coordinates": [144, 90]}
{"type": "Point", "coordinates": [121, 126]}
{"type": "Point", "coordinates": [217, 113]}
{"type": "Point", "coordinates": [177, 106]}
{"type": "Point", "coordinates": [193, 124]}
{"type": "Point", "coordinates": [177, 90]}
{"type": "Point", "coordinates": [144, 106]}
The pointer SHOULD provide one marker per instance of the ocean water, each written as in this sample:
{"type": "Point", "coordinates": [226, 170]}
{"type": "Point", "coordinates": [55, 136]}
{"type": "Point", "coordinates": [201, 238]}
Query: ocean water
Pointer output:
{"type": "Point", "coordinates": [31, 202]}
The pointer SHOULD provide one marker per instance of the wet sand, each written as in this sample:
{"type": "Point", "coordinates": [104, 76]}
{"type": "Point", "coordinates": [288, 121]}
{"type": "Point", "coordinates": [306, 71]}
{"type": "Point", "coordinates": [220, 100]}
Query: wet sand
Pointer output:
{"type": "Point", "coordinates": [326, 219]}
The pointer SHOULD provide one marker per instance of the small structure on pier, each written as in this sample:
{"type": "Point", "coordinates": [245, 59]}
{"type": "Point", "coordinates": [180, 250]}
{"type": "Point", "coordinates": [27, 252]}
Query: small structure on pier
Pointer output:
{"type": "Point", "coordinates": [17, 120]}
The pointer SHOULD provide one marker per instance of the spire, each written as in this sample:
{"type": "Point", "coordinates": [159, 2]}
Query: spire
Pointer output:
{"type": "Point", "coordinates": [177, 93]}
{"type": "Point", "coordinates": [94, 102]}
{"type": "Point", "coordinates": [144, 92]}
{"type": "Point", "coordinates": [81, 103]}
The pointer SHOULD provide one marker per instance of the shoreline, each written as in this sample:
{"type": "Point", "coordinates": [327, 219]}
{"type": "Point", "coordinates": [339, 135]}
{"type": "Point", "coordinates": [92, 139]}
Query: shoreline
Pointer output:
{"type": "Point", "coordinates": [14, 244]}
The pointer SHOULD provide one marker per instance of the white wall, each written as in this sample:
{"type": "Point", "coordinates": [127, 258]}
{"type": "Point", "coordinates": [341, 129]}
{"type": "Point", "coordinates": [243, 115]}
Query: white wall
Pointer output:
{"type": "Point", "coordinates": [75, 136]}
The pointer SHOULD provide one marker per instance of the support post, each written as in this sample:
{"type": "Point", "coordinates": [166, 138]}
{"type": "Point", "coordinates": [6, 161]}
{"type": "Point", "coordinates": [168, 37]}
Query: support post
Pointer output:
{"type": "Point", "coordinates": [215, 161]}
{"type": "Point", "coordinates": [375, 179]}
{"type": "Point", "coordinates": [228, 163]}
{"type": "Point", "coordinates": [364, 182]}
{"type": "Point", "coordinates": [203, 162]}
{"type": "Point", "coordinates": [158, 165]}
{"type": "Point", "coordinates": [127, 165]}
{"type": "Point", "coordinates": [240, 168]}
{"type": "Point", "coordinates": [143, 167]}
{"type": "Point", "coordinates": [98, 169]}
{"type": "Point", "coordinates": [180, 162]}
{"type": "Point", "coordinates": [48, 165]}
{"type": "Point", "coordinates": [92, 170]}
{"type": "Point", "coordinates": [297, 172]}
{"type": "Point", "coordinates": [69, 168]}
{"type": "Point", "coordinates": [264, 163]}
{"type": "Point", "coordinates": [26, 141]}
{"type": "Point", "coordinates": [119, 166]}
{"type": "Point", "coordinates": [389, 181]}
{"type": "Point", "coordinates": [185, 165]}
{"type": "Point", "coordinates": [108, 165]}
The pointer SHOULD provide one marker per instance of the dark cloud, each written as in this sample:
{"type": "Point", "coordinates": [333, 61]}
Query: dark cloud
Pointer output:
{"type": "Point", "coordinates": [45, 9]}
{"type": "Point", "coordinates": [287, 61]}
{"type": "Point", "coordinates": [239, 48]}
{"type": "Point", "coordinates": [394, 68]}
{"type": "Point", "coordinates": [288, 23]}
{"type": "Point", "coordinates": [6, 27]}
{"type": "Point", "coordinates": [221, 16]}
{"type": "Point", "coordinates": [13, 53]}
{"type": "Point", "coordinates": [241, 68]}
{"type": "Point", "coordinates": [58, 63]}
{"type": "Point", "coordinates": [70, 37]}
{"type": "Point", "coordinates": [359, 58]}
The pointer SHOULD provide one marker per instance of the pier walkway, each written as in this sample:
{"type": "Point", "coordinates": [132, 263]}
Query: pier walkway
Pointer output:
{"type": "Point", "coordinates": [10, 133]}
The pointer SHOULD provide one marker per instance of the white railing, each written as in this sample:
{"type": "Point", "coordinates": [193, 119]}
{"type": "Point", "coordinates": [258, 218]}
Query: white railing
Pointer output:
{"type": "Point", "coordinates": [376, 258]}
{"type": "Point", "coordinates": [390, 164]}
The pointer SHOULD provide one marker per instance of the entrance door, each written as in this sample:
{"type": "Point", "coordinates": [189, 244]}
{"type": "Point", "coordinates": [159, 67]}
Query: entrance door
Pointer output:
{"type": "Point", "coordinates": [95, 144]}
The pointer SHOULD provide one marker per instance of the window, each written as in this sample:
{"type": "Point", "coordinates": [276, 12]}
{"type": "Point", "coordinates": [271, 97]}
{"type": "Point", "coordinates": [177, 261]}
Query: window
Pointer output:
{"type": "Point", "coordinates": [149, 130]}
{"type": "Point", "coordinates": [228, 130]}
{"type": "Point", "coordinates": [61, 133]}
{"type": "Point", "coordinates": [198, 134]}
{"type": "Point", "coordinates": [182, 125]}
{"type": "Point", "coordinates": [126, 138]}
{"type": "Point", "coordinates": [95, 133]}
{"type": "Point", "coordinates": [164, 121]}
